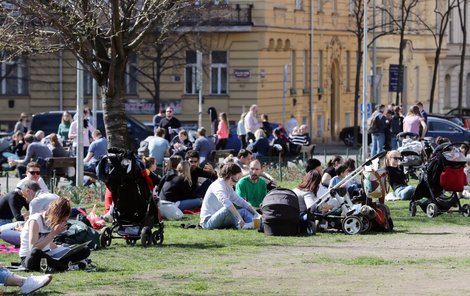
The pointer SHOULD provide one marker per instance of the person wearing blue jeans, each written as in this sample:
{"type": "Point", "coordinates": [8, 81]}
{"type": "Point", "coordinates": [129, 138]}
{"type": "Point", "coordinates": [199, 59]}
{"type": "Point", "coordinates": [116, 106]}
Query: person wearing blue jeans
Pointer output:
{"type": "Point", "coordinates": [377, 125]}
{"type": "Point", "coordinates": [26, 284]}
{"type": "Point", "coordinates": [218, 209]}
{"type": "Point", "coordinates": [397, 177]}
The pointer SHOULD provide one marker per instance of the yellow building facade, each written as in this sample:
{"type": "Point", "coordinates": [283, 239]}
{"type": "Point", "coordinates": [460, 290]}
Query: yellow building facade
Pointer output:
{"type": "Point", "coordinates": [265, 61]}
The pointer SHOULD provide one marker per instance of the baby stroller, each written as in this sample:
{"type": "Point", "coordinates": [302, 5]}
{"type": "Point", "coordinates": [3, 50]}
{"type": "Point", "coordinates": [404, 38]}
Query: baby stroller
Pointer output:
{"type": "Point", "coordinates": [135, 211]}
{"type": "Point", "coordinates": [414, 154]}
{"type": "Point", "coordinates": [350, 217]}
{"type": "Point", "coordinates": [444, 174]}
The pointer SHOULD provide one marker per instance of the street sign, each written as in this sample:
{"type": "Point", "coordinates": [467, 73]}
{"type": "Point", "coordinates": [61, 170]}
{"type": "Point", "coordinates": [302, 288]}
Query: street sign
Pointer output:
{"type": "Point", "coordinates": [368, 109]}
{"type": "Point", "coordinates": [395, 78]}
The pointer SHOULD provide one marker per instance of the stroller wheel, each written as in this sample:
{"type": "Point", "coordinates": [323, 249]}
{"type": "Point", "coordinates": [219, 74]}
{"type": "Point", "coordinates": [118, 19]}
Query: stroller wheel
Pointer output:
{"type": "Point", "coordinates": [366, 225]}
{"type": "Point", "coordinates": [131, 241]}
{"type": "Point", "coordinates": [157, 237]}
{"type": "Point", "coordinates": [352, 225]}
{"type": "Point", "coordinates": [432, 210]}
{"type": "Point", "coordinates": [106, 237]}
{"type": "Point", "coordinates": [146, 236]}
{"type": "Point", "coordinates": [412, 209]}
{"type": "Point", "coordinates": [466, 210]}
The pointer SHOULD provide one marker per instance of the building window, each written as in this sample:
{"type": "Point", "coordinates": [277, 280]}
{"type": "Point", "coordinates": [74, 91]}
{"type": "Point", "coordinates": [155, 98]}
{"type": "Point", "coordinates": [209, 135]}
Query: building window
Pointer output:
{"type": "Point", "coordinates": [352, 7]}
{"type": "Point", "coordinates": [320, 6]}
{"type": "Point", "coordinates": [304, 69]}
{"type": "Point", "coordinates": [451, 27]}
{"type": "Point", "coordinates": [430, 75]}
{"type": "Point", "coordinates": [219, 72]}
{"type": "Point", "coordinates": [298, 4]}
{"type": "Point", "coordinates": [130, 79]}
{"type": "Point", "coordinates": [190, 73]}
{"type": "Point", "coordinates": [14, 77]}
{"type": "Point", "coordinates": [292, 69]}
{"type": "Point", "coordinates": [334, 9]}
{"type": "Point", "coordinates": [320, 72]}
{"type": "Point", "coordinates": [348, 70]}
{"type": "Point", "coordinates": [447, 91]}
{"type": "Point", "coordinates": [417, 84]}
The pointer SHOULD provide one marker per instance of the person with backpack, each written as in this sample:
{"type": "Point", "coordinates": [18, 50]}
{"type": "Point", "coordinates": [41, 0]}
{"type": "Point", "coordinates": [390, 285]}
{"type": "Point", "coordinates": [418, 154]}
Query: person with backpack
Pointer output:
{"type": "Point", "coordinates": [377, 126]}
{"type": "Point", "coordinates": [396, 127]}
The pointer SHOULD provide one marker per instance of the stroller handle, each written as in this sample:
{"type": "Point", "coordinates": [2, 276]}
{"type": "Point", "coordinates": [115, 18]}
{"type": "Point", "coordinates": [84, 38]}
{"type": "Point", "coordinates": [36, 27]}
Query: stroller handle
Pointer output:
{"type": "Point", "coordinates": [446, 146]}
{"type": "Point", "coordinates": [404, 135]}
{"type": "Point", "coordinates": [378, 155]}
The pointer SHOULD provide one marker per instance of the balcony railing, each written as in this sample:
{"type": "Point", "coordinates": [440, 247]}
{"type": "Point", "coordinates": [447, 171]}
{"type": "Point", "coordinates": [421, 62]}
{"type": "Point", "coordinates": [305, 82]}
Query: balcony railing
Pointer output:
{"type": "Point", "coordinates": [218, 15]}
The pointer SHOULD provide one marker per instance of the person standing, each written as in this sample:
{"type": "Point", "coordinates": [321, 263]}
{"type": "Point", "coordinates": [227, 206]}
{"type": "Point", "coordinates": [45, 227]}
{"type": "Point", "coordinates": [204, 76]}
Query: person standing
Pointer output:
{"type": "Point", "coordinates": [377, 126]}
{"type": "Point", "coordinates": [414, 123]}
{"type": "Point", "coordinates": [87, 130]}
{"type": "Point", "coordinates": [291, 124]}
{"type": "Point", "coordinates": [241, 131]}
{"type": "Point", "coordinates": [157, 118]}
{"type": "Point", "coordinates": [266, 126]}
{"type": "Point", "coordinates": [253, 188]}
{"type": "Point", "coordinates": [170, 124]}
{"type": "Point", "coordinates": [64, 127]}
{"type": "Point", "coordinates": [222, 131]}
{"type": "Point", "coordinates": [422, 113]}
{"type": "Point", "coordinates": [396, 127]}
{"type": "Point", "coordinates": [251, 122]}
{"type": "Point", "coordinates": [22, 123]}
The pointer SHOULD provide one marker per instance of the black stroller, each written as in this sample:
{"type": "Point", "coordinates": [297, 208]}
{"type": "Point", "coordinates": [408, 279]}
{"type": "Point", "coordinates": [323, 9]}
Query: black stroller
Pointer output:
{"type": "Point", "coordinates": [444, 174]}
{"type": "Point", "coordinates": [135, 211]}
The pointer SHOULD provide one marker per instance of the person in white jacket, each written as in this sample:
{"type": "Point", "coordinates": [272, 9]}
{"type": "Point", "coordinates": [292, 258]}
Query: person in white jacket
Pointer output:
{"type": "Point", "coordinates": [218, 209]}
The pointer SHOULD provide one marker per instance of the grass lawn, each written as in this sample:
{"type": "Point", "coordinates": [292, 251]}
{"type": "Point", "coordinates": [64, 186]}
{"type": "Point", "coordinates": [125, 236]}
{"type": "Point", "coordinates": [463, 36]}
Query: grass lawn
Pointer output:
{"type": "Point", "coordinates": [230, 262]}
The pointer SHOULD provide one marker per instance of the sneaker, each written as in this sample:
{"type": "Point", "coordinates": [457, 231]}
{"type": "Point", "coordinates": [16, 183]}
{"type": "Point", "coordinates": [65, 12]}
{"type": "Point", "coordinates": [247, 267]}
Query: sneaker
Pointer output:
{"type": "Point", "coordinates": [33, 283]}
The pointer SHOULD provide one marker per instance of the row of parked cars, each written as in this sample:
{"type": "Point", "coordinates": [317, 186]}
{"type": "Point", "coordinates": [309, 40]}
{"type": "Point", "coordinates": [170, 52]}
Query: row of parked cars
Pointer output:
{"type": "Point", "coordinates": [450, 125]}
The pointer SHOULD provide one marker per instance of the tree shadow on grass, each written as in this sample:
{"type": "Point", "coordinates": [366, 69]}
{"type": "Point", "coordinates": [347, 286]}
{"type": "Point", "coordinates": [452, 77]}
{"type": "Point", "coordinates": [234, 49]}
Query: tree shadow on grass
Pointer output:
{"type": "Point", "coordinates": [209, 245]}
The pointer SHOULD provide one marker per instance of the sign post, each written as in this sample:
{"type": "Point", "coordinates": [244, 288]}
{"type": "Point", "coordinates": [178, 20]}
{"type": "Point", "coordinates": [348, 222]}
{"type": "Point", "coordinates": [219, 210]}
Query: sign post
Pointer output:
{"type": "Point", "coordinates": [199, 86]}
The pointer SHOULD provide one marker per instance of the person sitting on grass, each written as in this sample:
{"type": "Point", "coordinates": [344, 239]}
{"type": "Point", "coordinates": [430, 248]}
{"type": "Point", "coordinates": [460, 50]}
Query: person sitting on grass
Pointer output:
{"type": "Point", "coordinates": [12, 203]}
{"type": "Point", "coordinates": [218, 209]}
{"type": "Point", "coordinates": [38, 234]}
{"type": "Point", "coordinates": [27, 284]}
{"type": "Point", "coordinates": [178, 189]}
{"type": "Point", "coordinates": [253, 188]}
{"type": "Point", "coordinates": [397, 178]}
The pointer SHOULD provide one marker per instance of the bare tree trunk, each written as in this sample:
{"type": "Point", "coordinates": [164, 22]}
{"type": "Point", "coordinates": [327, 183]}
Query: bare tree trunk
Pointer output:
{"type": "Point", "coordinates": [435, 72]}
{"type": "Point", "coordinates": [114, 114]}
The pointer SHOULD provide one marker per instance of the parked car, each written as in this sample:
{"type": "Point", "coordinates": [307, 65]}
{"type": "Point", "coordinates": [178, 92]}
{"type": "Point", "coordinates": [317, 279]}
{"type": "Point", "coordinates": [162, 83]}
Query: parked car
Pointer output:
{"type": "Point", "coordinates": [464, 117]}
{"type": "Point", "coordinates": [49, 123]}
{"type": "Point", "coordinates": [347, 136]}
{"type": "Point", "coordinates": [450, 117]}
{"type": "Point", "coordinates": [448, 129]}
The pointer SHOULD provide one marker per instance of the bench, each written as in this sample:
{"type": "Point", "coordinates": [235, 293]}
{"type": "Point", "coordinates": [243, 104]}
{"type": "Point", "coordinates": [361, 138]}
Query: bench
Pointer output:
{"type": "Point", "coordinates": [65, 167]}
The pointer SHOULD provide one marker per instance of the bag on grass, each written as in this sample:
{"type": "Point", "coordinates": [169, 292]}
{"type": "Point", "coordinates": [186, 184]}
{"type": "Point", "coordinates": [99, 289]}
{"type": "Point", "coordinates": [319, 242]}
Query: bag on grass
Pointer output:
{"type": "Point", "coordinates": [79, 233]}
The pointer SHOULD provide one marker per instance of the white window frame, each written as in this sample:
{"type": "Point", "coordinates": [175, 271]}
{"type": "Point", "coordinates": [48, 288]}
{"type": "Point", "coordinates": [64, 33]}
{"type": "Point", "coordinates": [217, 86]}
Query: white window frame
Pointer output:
{"type": "Point", "coordinates": [219, 67]}
{"type": "Point", "coordinates": [193, 66]}
{"type": "Point", "coordinates": [20, 69]}
{"type": "Point", "coordinates": [298, 4]}
{"type": "Point", "coordinates": [130, 78]}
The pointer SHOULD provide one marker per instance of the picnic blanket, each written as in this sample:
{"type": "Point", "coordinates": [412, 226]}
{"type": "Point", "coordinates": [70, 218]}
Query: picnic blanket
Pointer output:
{"type": "Point", "coordinates": [8, 249]}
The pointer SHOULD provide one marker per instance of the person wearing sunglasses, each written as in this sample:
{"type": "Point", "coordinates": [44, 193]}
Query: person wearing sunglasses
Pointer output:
{"type": "Point", "coordinates": [397, 177]}
{"type": "Point", "coordinates": [170, 124]}
{"type": "Point", "coordinates": [13, 203]}
{"type": "Point", "coordinates": [33, 173]}
{"type": "Point", "coordinates": [218, 209]}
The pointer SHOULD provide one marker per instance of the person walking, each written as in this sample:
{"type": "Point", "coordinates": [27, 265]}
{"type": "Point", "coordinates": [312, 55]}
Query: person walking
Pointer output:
{"type": "Point", "coordinates": [414, 123]}
{"type": "Point", "coordinates": [222, 131]}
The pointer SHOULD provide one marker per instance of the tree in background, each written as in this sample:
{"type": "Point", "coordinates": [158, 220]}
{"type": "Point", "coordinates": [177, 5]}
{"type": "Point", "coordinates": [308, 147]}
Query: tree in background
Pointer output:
{"type": "Point", "coordinates": [101, 34]}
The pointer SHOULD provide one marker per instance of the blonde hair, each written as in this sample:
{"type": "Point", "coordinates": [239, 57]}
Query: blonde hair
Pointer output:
{"type": "Point", "coordinates": [57, 211]}
{"type": "Point", "coordinates": [259, 133]}
{"type": "Point", "coordinates": [389, 155]}
{"type": "Point", "coordinates": [184, 170]}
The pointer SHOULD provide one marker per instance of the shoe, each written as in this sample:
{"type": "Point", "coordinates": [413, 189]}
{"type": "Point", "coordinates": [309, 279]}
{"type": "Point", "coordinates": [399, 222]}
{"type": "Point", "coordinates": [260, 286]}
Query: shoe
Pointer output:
{"type": "Point", "coordinates": [33, 283]}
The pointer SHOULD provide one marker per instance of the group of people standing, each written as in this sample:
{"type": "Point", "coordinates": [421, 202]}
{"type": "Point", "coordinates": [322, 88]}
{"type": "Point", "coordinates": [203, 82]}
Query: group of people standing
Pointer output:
{"type": "Point", "coordinates": [386, 123]}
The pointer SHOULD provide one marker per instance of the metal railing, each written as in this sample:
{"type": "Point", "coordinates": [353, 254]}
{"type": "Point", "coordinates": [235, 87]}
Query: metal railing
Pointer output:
{"type": "Point", "coordinates": [218, 15]}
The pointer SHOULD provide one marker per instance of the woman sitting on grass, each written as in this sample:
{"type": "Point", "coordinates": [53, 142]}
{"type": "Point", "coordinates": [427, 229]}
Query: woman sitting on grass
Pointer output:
{"type": "Point", "coordinates": [397, 177]}
{"type": "Point", "coordinates": [38, 234]}
{"type": "Point", "coordinates": [178, 189]}
{"type": "Point", "coordinates": [218, 210]}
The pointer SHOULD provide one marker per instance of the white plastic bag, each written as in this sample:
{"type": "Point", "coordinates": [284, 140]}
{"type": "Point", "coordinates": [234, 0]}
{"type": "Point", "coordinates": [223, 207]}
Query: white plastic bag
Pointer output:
{"type": "Point", "coordinates": [170, 211]}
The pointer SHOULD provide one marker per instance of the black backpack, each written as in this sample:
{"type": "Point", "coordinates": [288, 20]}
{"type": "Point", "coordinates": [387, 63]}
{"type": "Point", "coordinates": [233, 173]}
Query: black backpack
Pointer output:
{"type": "Point", "coordinates": [281, 213]}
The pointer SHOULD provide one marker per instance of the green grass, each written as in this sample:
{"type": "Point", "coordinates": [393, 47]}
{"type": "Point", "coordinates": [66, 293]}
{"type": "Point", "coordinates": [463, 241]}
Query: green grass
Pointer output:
{"type": "Point", "coordinates": [203, 262]}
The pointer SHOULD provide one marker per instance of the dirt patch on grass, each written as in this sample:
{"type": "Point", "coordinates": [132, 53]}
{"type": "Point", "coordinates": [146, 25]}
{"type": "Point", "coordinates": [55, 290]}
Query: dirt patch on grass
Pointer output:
{"type": "Point", "coordinates": [432, 261]}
